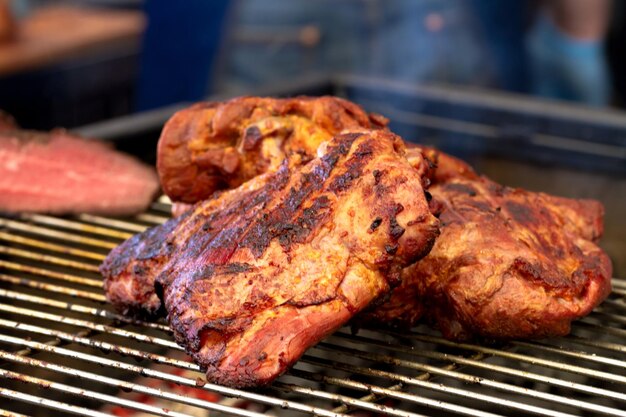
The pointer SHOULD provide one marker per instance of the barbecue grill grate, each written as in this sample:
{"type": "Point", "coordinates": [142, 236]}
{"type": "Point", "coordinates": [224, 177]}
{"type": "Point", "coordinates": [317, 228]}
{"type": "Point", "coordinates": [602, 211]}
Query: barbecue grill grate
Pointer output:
{"type": "Point", "coordinates": [62, 348]}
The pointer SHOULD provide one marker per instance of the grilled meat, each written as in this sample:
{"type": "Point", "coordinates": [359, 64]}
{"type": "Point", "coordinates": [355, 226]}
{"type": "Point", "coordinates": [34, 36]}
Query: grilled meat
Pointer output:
{"type": "Point", "coordinates": [509, 263]}
{"type": "Point", "coordinates": [213, 146]}
{"type": "Point", "coordinates": [253, 277]}
{"type": "Point", "coordinates": [59, 173]}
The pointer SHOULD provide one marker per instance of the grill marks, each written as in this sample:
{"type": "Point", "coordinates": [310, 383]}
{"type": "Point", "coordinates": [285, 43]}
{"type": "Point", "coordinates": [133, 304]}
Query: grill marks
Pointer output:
{"type": "Point", "coordinates": [288, 221]}
{"type": "Point", "coordinates": [218, 233]}
{"type": "Point", "coordinates": [260, 273]}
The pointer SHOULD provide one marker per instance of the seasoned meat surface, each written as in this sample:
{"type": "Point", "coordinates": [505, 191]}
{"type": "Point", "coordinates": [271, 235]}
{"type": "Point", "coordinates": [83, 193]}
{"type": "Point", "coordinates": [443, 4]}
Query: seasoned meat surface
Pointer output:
{"type": "Point", "coordinates": [213, 146]}
{"type": "Point", "coordinates": [60, 173]}
{"type": "Point", "coordinates": [253, 277]}
{"type": "Point", "coordinates": [509, 263]}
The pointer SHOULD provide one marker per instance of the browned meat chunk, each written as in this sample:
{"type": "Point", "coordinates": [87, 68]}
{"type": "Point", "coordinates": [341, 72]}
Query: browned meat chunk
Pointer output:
{"type": "Point", "coordinates": [213, 146]}
{"type": "Point", "coordinates": [509, 263]}
{"type": "Point", "coordinates": [252, 278]}
{"type": "Point", "coordinates": [59, 173]}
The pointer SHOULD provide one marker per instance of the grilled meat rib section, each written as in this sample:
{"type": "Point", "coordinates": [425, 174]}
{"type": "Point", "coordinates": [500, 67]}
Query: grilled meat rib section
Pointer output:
{"type": "Point", "coordinates": [213, 146]}
{"type": "Point", "coordinates": [509, 263]}
{"type": "Point", "coordinates": [253, 277]}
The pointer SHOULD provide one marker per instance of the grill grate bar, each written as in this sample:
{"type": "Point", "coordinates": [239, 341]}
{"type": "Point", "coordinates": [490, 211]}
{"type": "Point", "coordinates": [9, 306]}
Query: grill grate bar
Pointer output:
{"type": "Point", "coordinates": [128, 386]}
{"type": "Point", "coordinates": [378, 408]}
{"type": "Point", "coordinates": [43, 383]}
{"type": "Point", "coordinates": [49, 259]}
{"type": "Point", "coordinates": [90, 325]}
{"type": "Point", "coordinates": [55, 405]}
{"type": "Point", "coordinates": [97, 344]}
{"type": "Point", "coordinates": [151, 218]}
{"type": "Point", "coordinates": [580, 355]}
{"type": "Point", "coordinates": [181, 380]}
{"type": "Point", "coordinates": [602, 329]}
{"type": "Point", "coordinates": [337, 334]}
{"type": "Point", "coordinates": [596, 343]}
{"type": "Point", "coordinates": [118, 224]}
{"type": "Point", "coordinates": [187, 365]}
{"type": "Point", "coordinates": [423, 377]}
{"type": "Point", "coordinates": [399, 395]}
{"type": "Point", "coordinates": [51, 274]}
{"type": "Point", "coordinates": [51, 246]}
{"type": "Point", "coordinates": [43, 231]}
{"type": "Point", "coordinates": [613, 317]}
{"type": "Point", "coordinates": [621, 283]}
{"type": "Point", "coordinates": [90, 235]}
{"type": "Point", "coordinates": [52, 288]}
{"type": "Point", "coordinates": [75, 226]}
{"type": "Point", "coordinates": [98, 312]}
{"type": "Point", "coordinates": [516, 356]}
{"type": "Point", "coordinates": [621, 303]}
{"type": "Point", "coordinates": [619, 291]}
{"type": "Point", "coordinates": [470, 379]}
{"type": "Point", "coordinates": [484, 365]}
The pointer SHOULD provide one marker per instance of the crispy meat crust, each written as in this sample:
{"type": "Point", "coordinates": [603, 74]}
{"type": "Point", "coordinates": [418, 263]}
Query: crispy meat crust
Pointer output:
{"type": "Point", "coordinates": [253, 277]}
{"type": "Point", "coordinates": [509, 263]}
{"type": "Point", "coordinates": [213, 146]}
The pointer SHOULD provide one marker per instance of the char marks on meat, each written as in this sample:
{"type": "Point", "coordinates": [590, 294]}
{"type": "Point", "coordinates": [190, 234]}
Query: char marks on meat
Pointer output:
{"type": "Point", "coordinates": [213, 146]}
{"type": "Point", "coordinates": [59, 173]}
{"type": "Point", "coordinates": [509, 263]}
{"type": "Point", "coordinates": [253, 277]}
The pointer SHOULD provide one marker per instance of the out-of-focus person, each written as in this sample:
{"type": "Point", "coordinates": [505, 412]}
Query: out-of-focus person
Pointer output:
{"type": "Point", "coordinates": [566, 51]}
{"type": "Point", "coordinates": [552, 48]}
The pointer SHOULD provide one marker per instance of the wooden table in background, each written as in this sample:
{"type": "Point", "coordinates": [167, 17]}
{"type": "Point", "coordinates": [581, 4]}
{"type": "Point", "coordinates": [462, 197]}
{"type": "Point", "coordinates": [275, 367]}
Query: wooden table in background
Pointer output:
{"type": "Point", "coordinates": [52, 34]}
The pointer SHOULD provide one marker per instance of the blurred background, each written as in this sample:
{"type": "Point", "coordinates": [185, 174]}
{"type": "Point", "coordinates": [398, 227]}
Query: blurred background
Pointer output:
{"type": "Point", "coordinates": [65, 63]}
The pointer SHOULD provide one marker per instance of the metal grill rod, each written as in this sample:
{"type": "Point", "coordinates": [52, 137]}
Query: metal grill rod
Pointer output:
{"type": "Point", "coordinates": [597, 343]}
{"type": "Point", "coordinates": [516, 356]}
{"type": "Point", "coordinates": [55, 405]}
{"type": "Point", "coordinates": [34, 243]}
{"type": "Point", "coordinates": [92, 395]}
{"type": "Point", "coordinates": [165, 360]}
{"type": "Point", "coordinates": [76, 226]}
{"type": "Point", "coordinates": [610, 330]}
{"type": "Point", "coordinates": [48, 259]}
{"type": "Point", "coordinates": [483, 365]}
{"type": "Point", "coordinates": [97, 344]}
{"type": "Point", "coordinates": [53, 288]}
{"type": "Point", "coordinates": [51, 274]}
{"type": "Point", "coordinates": [182, 364]}
{"type": "Point", "coordinates": [398, 395]}
{"type": "Point", "coordinates": [128, 386]}
{"type": "Point", "coordinates": [119, 224]}
{"type": "Point", "coordinates": [43, 231]}
{"type": "Point", "coordinates": [151, 218]}
{"type": "Point", "coordinates": [378, 408]}
{"type": "Point", "coordinates": [459, 376]}
{"type": "Point", "coordinates": [98, 312]}
{"type": "Point", "coordinates": [579, 355]}
{"type": "Point", "coordinates": [54, 318]}
{"type": "Point", "coordinates": [147, 372]}
{"type": "Point", "coordinates": [90, 325]}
